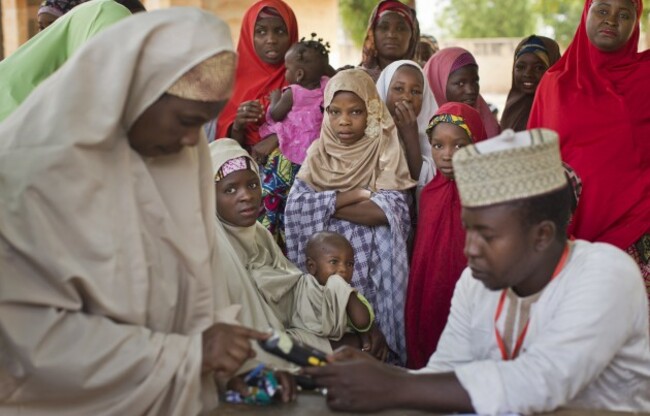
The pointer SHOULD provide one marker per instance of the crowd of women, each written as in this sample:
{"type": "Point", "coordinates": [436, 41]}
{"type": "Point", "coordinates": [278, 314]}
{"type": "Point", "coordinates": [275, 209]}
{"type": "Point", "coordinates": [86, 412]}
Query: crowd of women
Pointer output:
{"type": "Point", "coordinates": [133, 250]}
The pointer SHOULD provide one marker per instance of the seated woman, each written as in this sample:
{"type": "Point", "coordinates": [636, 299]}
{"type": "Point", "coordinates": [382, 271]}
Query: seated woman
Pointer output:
{"type": "Point", "coordinates": [533, 57]}
{"type": "Point", "coordinates": [272, 291]}
{"type": "Point", "coordinates": [405, 90]}
{"type": "Point", "coordinates": [354, 181]}
{"type": "Point", "coordinates": [438, 258]}
{"type": "Point", "coordinates": [453, 76]}
{"type": "Point", "coordinates": [107, 300]}
{"type": "Point", "coordinates": [604, 125]}
{"type": "Point", "coordinates": [393, 34]}
{"type": "Point", "coordinates": [268, 29]}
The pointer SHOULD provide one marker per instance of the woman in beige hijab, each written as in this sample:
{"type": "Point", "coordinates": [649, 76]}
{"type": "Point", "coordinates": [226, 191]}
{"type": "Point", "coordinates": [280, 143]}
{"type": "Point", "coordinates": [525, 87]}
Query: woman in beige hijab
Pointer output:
{"type": "Point", "coordinates": [107, 303]}
{"type": "Point", "coordinates": [354, 181]}
{"type": "Point", "coordinates": [272, 292]}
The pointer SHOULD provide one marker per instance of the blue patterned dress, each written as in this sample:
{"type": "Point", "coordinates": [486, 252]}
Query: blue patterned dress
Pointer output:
{"type": "Point", "coordinates": [381, 260]}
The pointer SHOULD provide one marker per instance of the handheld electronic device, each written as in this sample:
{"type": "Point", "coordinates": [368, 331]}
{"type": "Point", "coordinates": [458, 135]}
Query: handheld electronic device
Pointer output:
{"type": "Point", "coordinates": [282, 345]}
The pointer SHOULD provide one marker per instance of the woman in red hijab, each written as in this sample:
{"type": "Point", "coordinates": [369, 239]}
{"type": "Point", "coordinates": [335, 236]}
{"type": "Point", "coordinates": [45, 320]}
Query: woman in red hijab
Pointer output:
{"type": "Point", "coordinates": [269, 27]}
{"type": "Point", "coordinates": [438, 257]}
{"type": "Point", "coordinates": [596, 97]}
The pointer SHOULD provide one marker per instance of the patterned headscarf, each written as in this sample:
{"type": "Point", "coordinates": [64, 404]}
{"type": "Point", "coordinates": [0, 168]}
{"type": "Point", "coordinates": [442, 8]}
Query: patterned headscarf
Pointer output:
{"type": "Point", "coordinates": [461, 115]}
{"type": "Point", "coordinates": [575, 184]}
{"type": "Point", "coordinates": [369, 53]}
{"type": "Point", "coordinates": [451, 119]}
{"type": "Point", "coordinates": [535, 45]}
{"type": "Point", "coordinates": [58, 7]}
{"type": "Point", "coordinates": [234, 165]}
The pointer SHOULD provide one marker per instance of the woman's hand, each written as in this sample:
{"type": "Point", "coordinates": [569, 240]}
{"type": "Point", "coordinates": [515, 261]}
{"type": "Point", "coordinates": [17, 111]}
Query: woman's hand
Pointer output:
{"type": "Point", "coordinates": [248, 112]}
{"type": "Point", "coordinates": [355, 381]}
{"type": "Point", "coordinates": [226, 347]}
{"type": "Point", "coordinates": [261, 151]}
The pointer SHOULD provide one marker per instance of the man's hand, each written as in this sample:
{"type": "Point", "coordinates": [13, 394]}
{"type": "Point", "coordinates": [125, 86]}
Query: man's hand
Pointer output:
{"type": "Point", "coordinates": [357, 382]}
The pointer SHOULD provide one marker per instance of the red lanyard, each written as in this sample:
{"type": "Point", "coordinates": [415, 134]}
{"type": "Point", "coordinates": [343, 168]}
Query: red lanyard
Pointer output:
{"type": "Point", "coordinates": [520, 339]}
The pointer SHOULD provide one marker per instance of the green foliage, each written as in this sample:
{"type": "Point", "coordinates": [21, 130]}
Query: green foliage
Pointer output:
{"type": "Point", "coordinates": [354, 15]}
{"type": "Point", "coordinates": [560, 15]}
{"type": "Point", "coordinates": [487, 18]}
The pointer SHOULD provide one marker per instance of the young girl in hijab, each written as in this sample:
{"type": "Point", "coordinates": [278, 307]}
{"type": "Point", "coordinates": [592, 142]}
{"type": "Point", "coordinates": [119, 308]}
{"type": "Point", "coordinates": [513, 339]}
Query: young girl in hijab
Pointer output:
{"type": "Point", "coordinates": [453, 76]}
{"type": "Point", "coordinates": [438, 257]}
{"type": "Point", "coordinates": [405, 90]}
{"type": "Point", "coordinates": [393, 34]}
{"type": "Point", "coordinates": [272, 292]}
{"type": "Point", "coordinates": [107, 198]}
{"type": "Point", "coordinates": [268, 29]}
{"type": "Point", "coordinates": [295, 115]}
{"type": "Point", "coordinates": [596, 98]}
{"type": "Point", "coordinates": [353, 182]}
{"type": "Point", "coordinates": [533, 56]}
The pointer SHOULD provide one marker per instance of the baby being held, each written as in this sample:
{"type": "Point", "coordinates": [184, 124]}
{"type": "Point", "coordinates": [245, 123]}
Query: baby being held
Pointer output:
{"type": "Point", "coordinates": [296, 113]}
{"type": "Point", "coordinates": [330, 254]}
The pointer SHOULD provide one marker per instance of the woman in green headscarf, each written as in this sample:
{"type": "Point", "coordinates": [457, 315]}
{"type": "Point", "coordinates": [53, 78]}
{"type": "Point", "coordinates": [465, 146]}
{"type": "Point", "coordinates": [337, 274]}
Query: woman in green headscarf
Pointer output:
{"type": "Point", "coordinates": [42, 55]}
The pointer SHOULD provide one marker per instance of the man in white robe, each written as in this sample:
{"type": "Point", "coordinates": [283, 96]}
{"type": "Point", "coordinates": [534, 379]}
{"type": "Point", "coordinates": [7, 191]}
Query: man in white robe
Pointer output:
{"type": "Point", "coordinates": [537, 322]}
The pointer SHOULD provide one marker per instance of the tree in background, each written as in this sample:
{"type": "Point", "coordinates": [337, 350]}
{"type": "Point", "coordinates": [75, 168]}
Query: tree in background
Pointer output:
{"type": "Point", "coordinates": [486, 18]}
{"type": "Point", "coordinates": [354, 16]}
{"type": "Point", "coordinates": [561, 16]}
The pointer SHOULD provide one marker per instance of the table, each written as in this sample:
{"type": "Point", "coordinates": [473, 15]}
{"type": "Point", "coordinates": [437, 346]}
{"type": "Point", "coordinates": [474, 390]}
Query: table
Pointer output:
{"type": "Point", "coordinates": [313, 404]}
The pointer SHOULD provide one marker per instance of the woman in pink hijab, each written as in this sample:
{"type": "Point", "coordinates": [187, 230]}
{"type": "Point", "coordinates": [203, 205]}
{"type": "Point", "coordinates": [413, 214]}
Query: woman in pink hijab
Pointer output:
{"type": "Point", "coordinates": [453, 76]}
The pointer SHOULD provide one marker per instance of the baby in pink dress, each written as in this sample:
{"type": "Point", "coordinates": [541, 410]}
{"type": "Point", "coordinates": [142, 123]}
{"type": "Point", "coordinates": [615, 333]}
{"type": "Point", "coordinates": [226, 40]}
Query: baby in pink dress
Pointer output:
{"type": "Point", "coordinates": [296, 113]}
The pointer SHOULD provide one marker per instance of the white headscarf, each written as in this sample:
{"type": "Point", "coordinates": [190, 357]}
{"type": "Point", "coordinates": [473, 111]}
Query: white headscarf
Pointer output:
{"type": "Point", "coordinates": [106, 257]}
{"type": "Point", "coordinates": [429, 108]}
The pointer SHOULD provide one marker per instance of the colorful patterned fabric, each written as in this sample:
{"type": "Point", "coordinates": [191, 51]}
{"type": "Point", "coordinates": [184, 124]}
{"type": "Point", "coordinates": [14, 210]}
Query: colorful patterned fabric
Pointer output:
{"type": "Point", "coordinates": [278, 175]}
{"type": "Point", "coordinates": [535, 45]}
{"type": "Point", "coordinates": [381, 261]}
{"type": "Point", "coordinates": [59, 7]}
{"type": "Point", "coordinates": [233, 165]}
{"type": "Point", "coordinates": [451, 119]}
{"type": "Point", "coordinates": [640, 252]}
